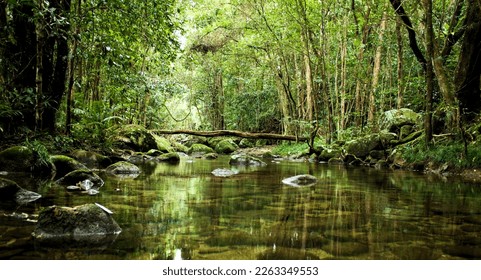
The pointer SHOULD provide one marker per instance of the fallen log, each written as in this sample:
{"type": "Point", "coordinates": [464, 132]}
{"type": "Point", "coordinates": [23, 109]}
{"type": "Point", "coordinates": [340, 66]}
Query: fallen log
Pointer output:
{"type": "Point", "coordinates": [237, 133]}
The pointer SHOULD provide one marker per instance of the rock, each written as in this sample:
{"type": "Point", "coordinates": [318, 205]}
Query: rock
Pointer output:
{"type": "Point", "coordinates": [226, 146]}
{"type": "Point", "coordinates": [11, 191]}
{"type": "Point", "coordinates": [153, 153]}
{"type": "Point", "coordinates": [64, 164]}
{"type": "Point", "coordinates": [169, 157]}
{"type": "Point", "coordinates": [136, 138]}
{"type": "Point", "coordinates": [361, 147]}
{"type": "Point", "coordinates": [246, 160]}
{"type": "Point", "coordinates": [335, 161]}
{"type": "Point", "coordinates": [91, 159]}
{"type": "Point", "coordinates": [200, 149]}
{"type": "Point", "coordinates": [330, 152]}
{"type": "Point", "coordinates": [393, 120]}
{"type": "Point", "coordinates": [163, 144]}
{"type": "Point", "coordinates": [24, 159]}
{"type": "Point", "coordinates": [123, 167]}
{"type": "Point", "coordinates": [304, 180]}
{"type": "Point", "coordinates": [352, 160]}
{"type": "Point", "coordinates": [211, 156]}
{"type": "Point", "coordinates": [246, 143]}
{"type": "Point", "coordinates": [87, 223]}
{"type": "Point", "coordinates": [224, 172]}
{"type": "Point", "coordinates": [79, 175]}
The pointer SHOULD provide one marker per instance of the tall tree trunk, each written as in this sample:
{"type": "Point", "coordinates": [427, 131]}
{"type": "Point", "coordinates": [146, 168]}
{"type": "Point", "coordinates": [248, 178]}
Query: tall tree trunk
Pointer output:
{"type": "Point", "coordinates": [429, 40]}
{"type": "Point", "coordinates": [467, 76]}
{"type": "Point", "coordinates": [376, 71]}
{"type": "Point", "coordinates": [39, 31]}
{"type": "Point", "coordinates": [400, 75]}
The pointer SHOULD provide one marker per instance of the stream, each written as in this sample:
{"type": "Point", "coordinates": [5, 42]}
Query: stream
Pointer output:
{"type": "Point", "coordinates": [182, 211]}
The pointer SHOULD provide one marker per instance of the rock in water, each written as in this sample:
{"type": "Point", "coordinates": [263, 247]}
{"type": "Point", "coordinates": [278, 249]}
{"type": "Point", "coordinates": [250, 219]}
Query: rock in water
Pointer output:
{"type": "Point", "coordinates": [303, 180]}
{"type": "Point", "coordinates": [86, 223]}
{"type": "Point", "coordinates": [223, 172]}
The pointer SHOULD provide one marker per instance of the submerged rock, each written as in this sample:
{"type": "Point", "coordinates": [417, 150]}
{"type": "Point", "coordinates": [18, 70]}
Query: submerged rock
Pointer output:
{"type": "Point", "coordinates": [246, 160]}
{"type": "Point", "coordinates": [74, 177]}
{"type": "Point", "coordinates": [123, 167]}
{"type": "Point", "coordinates": [88, 222]}
{"type": "Point", "coordinates": [303, 180]}
{"type": "Point", "coordinates": [9, 190]}
{"type": "Point", "coordinates": [224, 172]}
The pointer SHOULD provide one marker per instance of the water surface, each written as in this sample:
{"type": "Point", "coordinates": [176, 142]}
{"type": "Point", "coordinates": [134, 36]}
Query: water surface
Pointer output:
{"type": "Point", "coordinates": [183, 211]}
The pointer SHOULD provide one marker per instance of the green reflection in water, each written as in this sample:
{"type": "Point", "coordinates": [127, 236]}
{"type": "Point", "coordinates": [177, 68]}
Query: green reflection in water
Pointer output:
{"type": "Point", "coordinates": [183, 211]}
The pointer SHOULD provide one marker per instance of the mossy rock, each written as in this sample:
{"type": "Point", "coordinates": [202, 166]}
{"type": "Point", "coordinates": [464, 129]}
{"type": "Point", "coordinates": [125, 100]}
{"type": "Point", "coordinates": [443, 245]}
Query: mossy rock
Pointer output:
{"type": "Point", "coordinates": [226, 146]}
{"type": "Point", "coordinates": [24, 159]}
{"type": "Point", "coordinates": [123, 167]}
{"type": "Point", "coordinates": [79, 175]}
{"type": "Point", "coordinates": [163, 144]}
{"type": "Point", "coordinates": [91, 159]}
{"type": "Point", "coordinates": [85, 223]}
{"type": "Point", "coordinates": [200, 149]}
{"type": "Point", "coordinates": [180, 147]}
{"type": "Point", "coordinates": [247, 143]}
{"type": "Point", "coordinates": [246, 160]}
{"type": "Point", "coordinates": [211, 156]}
{"type": "Point", "coordinates": [153, 153]}
{"type": "Point", "coordinates": [361, 147]}
{"type": "Point", "coordinates": [169, 157]}
{"type": "Point", "coordinates": [64, 164]}
{"type": "Point", "coordinates": [393, 120]}
{"type": "Point", "coordinates": [135, 137]}
{"type": "Point", "coordinates": [331, 152]}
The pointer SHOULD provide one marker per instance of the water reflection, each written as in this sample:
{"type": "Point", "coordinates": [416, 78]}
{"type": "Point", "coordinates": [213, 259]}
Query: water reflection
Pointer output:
{"type": "Point", "coordinates": [184, 212]}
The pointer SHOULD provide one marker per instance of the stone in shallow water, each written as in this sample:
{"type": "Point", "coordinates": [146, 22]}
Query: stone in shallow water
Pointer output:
{"type": "Point", "coordinates": [300, 180]}
{"type": "Point", "coordinates": [87, 223]}
{"type": "Point", "coordinates": [224, 172]}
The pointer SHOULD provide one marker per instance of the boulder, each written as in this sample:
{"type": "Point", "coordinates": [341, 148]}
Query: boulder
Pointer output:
{"type": "Point", "coordinates": [304, 180]}
{"type": "Point", "coordinates": [224, 172]}
{"type": "Point", "coordinates": [88, 222]}
{"type": "Point", "coordinates": [246, 160]}
{"type": "Point", "coordinates": [330, 152]}
{"type": "Point", "coordinates": [135, 137]}
{"type": "Point", "coordinates": [200, 149]}
{"type": "Point", "coordinates": [64, 164]}
{"type": "Point", "coordinates": [163, 144]}
{"type": "Point", "coordinates": [80, 175]}
{"type": "Point", "coordinates": [360, 147]}
{"type": "Point", "coordinates": [91, 159]}
{"type": "Point", "coordinates": [226, 146]}
{"type": "Point", "coordinates": [122, 167]}
{"type": "Point", "coordinates": [24, 159]}
{"type": "Point", "coordinates": [393, 120]}
{"type": "Point", "coordinates": [11, 191]}
{"type": "Point", "coordinates": [169, 157]}
{"type": "Point", "coordinates": [246, 143]}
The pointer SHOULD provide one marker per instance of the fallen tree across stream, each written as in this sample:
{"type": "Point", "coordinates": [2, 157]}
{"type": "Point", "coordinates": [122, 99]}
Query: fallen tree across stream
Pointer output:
{"type": "Point", "coordinates": [251, 135]}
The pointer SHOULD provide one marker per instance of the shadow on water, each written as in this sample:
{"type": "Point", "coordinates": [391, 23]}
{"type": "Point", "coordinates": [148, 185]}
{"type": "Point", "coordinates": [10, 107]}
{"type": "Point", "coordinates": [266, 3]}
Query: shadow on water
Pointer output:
{"type": "Point", "coordinates": [184, 212]}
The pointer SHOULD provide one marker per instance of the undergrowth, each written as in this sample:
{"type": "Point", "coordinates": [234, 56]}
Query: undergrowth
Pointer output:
{"type": "Point", "coordinates": [451, 153]}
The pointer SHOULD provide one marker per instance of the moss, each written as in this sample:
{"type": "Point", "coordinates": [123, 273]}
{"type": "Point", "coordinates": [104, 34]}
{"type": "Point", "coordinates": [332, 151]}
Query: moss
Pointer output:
{"type": "Point", "coordinates": [64, 164]}
{"type": "Point", "coordinates": [200, 148]}
{"type": "Point", "coordinates": [226, 146]}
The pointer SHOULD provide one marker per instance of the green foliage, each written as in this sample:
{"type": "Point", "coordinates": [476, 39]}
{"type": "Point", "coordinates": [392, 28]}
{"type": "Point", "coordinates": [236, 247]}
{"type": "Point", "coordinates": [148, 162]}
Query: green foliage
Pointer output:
{"type": "Point", "coordinates": [451, 153]}
{"type": "Point", "coordinates": [288, 149]}
{"type": "Point", "coordinates": [40, 154]}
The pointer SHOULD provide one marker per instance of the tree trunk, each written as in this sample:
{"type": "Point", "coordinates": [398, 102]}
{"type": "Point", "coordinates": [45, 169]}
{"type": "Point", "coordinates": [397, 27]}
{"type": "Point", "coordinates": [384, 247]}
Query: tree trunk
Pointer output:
{"type": "Point", "coordinates": [233, 133]}
{"type": "Point", "coordinates": [39, 31]}
{"type": "Point", "coordinates": [400, 75]}
{"type": "Point", "coordinates": [376, 71]}
{"type": "Point", "coordinates": [467, 76]}
{"type": "Point", "coordinates": [429, 40]}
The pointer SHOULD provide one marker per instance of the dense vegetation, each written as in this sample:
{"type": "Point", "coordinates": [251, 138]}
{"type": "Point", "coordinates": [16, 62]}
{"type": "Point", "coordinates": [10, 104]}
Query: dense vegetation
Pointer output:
{"type": "Point", "coordinates": [74, 69]}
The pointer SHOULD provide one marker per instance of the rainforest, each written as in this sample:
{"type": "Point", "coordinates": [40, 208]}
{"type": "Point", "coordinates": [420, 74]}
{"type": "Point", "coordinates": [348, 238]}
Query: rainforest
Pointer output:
{"type": "Point", "coordinates": [148, 115]}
